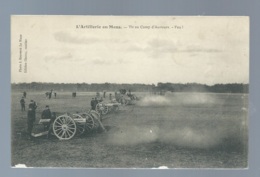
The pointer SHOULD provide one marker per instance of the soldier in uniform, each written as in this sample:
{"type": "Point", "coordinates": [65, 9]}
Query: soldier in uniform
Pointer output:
{"type": "Point", "coordinates": [95, 102]}
{"type": "Point", "coordinates": [46, 114]}
{"type": "Point", "coordinates": [31, 117]}
{"type": "Point", "coordinates": [92, 103]}
{"type": "Point", "coordinates": [50, 94]}
{"type": "Point", "coordinates": [97, 95]}
{"type": "Point", "coordinates": [22, 102]}
{"type": "Point", "coordinates": [104, 94]}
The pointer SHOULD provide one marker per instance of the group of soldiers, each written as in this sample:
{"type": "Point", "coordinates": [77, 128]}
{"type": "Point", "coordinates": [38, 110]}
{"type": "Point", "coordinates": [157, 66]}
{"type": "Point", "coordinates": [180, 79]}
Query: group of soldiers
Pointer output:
{"type": "Point", "coordinates": [98, 98]}
{"type": "Point", "coordinates": [119, 97]}
{"type": "Point", "coordinates": [94, 102]}
{"type": "Point", "coordinates": [31, 114]}
{"type": "Point", "coordinates": [49, 94]}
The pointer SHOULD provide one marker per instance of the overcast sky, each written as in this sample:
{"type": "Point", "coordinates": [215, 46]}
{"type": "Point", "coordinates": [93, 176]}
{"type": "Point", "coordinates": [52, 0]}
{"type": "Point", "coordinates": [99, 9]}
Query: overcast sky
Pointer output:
{"type": "Point", "coordinates": [205, 50]}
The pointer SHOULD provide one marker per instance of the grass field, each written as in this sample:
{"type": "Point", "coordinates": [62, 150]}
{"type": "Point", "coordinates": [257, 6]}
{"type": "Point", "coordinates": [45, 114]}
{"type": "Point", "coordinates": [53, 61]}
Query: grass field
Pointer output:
{"type": "Point", "coordinates": [178, 130]}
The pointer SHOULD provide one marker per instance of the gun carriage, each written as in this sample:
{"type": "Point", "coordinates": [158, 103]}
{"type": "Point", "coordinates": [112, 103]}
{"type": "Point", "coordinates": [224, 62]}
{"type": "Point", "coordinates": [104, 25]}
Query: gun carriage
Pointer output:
{"type": "Point", "coordinates": [66, 126]}
{"type": "Point", "coordinates": [106, 107]}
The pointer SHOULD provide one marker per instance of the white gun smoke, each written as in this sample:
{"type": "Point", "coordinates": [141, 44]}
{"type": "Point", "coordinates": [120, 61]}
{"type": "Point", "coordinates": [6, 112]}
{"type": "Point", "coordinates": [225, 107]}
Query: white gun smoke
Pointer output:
{"type": "Point", "coordinates": [172, 127]}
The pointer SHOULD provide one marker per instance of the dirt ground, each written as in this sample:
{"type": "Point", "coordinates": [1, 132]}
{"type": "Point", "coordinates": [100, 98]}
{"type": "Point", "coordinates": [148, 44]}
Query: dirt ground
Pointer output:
{"type": "Point", "coordinates": [178, 130]}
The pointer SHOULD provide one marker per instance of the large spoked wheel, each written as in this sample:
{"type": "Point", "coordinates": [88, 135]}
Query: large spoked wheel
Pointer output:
{"type": "Point", "coordinates": [80, 122]}
{"type": "Point", "coordinates": [89, 124]}
{"type": "Point", "coordinates": [95, 113]}
{"type": "Point", "coordinates": [96, 118]}
{"type": "Point", "coordinates": [102, 108]}
{"type": "Point", "coordinates": [64, 127]}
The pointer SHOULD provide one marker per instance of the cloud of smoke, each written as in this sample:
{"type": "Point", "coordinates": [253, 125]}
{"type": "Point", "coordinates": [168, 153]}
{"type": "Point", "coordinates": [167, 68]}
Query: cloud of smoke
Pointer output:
{"type": "Point", "coordinates": [180, 135]}
{"type": "Point", "coordinates": [185, 137]}
{"type": "Point", "coordinates": [134, 135]}
{"type": "Point", "coordinates": [154, 100]}
{"type": "Point", "coordinates": [193, 98]}
{"type": "Point", "coordinates": [170, 120]}
{"type": "Point", "coordinates": [181, 98]}
{"type": "Point", "coordinates": [191, 137]}
{"type": "Point", "coordinates": [197, 98]}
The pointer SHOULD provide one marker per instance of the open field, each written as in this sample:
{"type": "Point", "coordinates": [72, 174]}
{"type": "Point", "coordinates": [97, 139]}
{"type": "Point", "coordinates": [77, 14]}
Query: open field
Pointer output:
{"type": "Point", "coordinates": [178, 130]}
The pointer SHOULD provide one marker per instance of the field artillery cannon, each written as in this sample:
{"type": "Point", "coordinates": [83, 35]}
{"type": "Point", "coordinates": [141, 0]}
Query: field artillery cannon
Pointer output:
{"type": "Point", "coordinates": [106, 107]}
{"type": "Point", "coordinates": [129, 99]}
{"type": "Point", "coordinates": [66, 126]}
{"type": "Point", "coordinates": [126, 98]}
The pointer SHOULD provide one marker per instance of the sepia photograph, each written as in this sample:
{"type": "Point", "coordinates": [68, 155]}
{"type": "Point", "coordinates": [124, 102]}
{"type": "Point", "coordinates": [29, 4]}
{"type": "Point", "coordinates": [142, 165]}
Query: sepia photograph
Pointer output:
{"type": "Point", "coordinates": [157, 92]}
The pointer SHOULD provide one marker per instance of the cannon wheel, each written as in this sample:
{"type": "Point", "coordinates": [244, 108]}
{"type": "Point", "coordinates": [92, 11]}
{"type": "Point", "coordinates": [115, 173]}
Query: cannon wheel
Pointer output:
{"type": "Point", "coordinates": [80, 125]}
{"type": "Point", "coordinates": [102, 108]}
{"type": "Point", "coordinates": [97, 115]}
{"type": "Point", "coordinates": [90, 124]}
{"type": "Point", "coordinates": [97, 119]}
{"type": "Point", "coordinates": [64, 127]}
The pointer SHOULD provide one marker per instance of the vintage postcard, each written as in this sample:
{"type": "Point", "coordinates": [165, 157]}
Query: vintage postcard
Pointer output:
{"type": "Point", "coordinates": [129, 91]}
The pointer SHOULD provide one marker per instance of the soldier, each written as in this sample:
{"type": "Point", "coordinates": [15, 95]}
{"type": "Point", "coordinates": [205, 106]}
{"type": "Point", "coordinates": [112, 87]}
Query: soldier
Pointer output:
{"type": "Point", "coordinates": [50, 94]}
{"type": "Point", "coordinates": [22, 102]}
{"type": "Point", "coordinates": [24, 94]}
{"type": "Point", "coordinates": [104, 94]}
{"type": "Point", "coordinates": [55, 94]}
{"type": "Point", "coordinates": [46, 114]}
{"type": "Point", "coordinates": [117, 96]}
{"type": "Point", "coordinates": [95, 103]}
{"type": "Point", "coordinates": [31, 117]}
{"type": "Point", "coordinates": [92, 103]}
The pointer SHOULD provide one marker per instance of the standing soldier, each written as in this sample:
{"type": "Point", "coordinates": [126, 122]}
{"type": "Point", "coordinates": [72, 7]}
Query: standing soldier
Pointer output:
{"type": "Point", "coordinates": [46, 114]}
{"type": "Point", "coordinates": [50, 94]}
{"type": "Point", "coordinates": [31, 117]}
{"type": "Point", "coordinates": [55, 94]}
{"type": "Point", "coordinates": [24, 94]}
{"type": "Point", "coordinates": [98, 95]}
{"type": "Point", "coordinates": [92, 103]}
{"type": "Point", "coordinates": [22, 102]}
{"type": "Point", "coordinates": [95, 103]}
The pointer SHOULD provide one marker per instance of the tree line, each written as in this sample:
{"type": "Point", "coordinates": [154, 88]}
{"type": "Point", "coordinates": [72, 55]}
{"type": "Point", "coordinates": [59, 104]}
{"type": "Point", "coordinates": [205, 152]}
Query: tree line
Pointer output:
{"type": "Point", "coordinates": [195, 87]}
{"type": "Point", "coordinates": [112, 87]}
